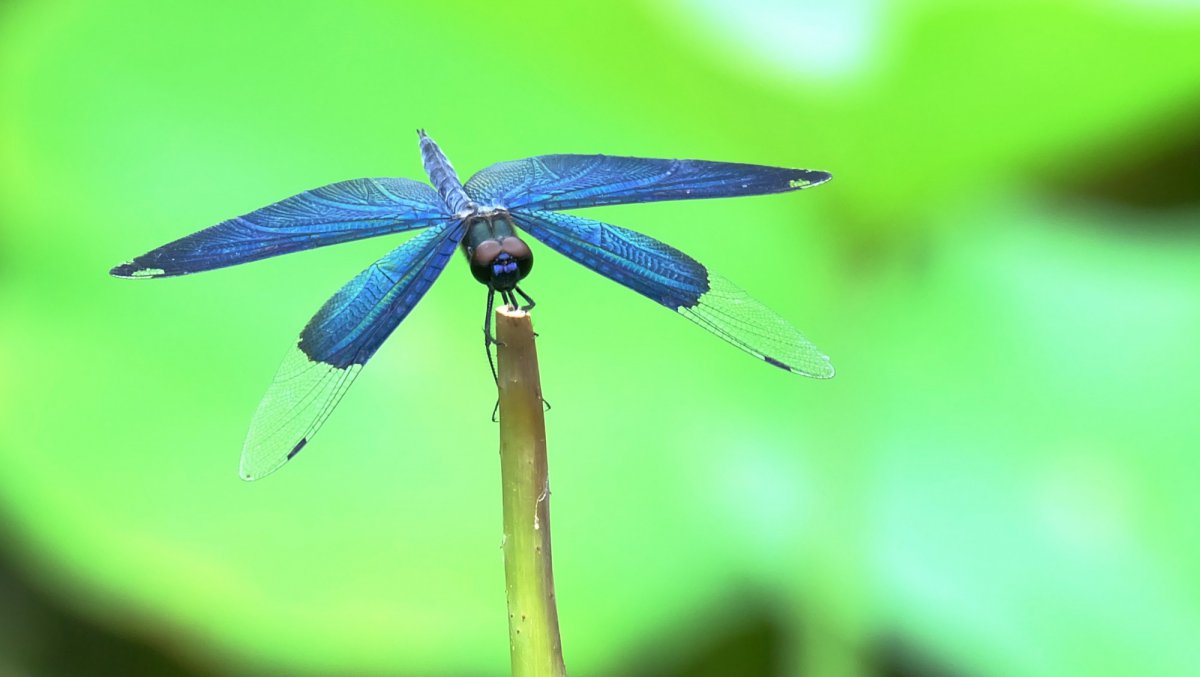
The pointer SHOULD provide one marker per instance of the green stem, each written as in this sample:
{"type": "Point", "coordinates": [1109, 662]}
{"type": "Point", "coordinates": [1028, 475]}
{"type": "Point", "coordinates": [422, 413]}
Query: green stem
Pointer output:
{"type": "Point", "coordinates": [529, 577]}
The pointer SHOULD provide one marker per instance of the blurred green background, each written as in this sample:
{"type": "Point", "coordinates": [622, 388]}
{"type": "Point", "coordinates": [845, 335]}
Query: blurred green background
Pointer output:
{"type": "Point", "coordinates": [1001, 480]}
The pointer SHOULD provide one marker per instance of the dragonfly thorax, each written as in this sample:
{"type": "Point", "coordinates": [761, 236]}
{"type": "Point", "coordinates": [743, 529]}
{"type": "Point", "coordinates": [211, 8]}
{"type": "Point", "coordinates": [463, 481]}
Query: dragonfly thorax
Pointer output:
{"type": "Point", "coordinates": [497, 256]}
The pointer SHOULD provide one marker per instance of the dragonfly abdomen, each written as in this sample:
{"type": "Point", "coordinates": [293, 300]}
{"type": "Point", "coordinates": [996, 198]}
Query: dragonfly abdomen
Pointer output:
{"type": "Point", "coordinates": [442, 175]}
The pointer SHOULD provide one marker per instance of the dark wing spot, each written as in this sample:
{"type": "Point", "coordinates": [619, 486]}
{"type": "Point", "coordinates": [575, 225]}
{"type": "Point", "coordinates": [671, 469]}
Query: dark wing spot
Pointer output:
{"type": "Point", "coordinates": [296, 449]}
{"type": "Point", "coordinates": [769, 360]}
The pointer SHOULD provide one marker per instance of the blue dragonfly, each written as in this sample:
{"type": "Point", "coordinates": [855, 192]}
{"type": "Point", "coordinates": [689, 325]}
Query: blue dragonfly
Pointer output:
{"type": "Point", "coordinates": [480, 216]}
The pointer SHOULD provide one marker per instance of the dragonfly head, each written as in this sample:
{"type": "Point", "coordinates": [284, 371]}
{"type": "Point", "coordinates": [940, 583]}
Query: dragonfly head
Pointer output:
{"type": "Point", "coordinates": [501, 263]}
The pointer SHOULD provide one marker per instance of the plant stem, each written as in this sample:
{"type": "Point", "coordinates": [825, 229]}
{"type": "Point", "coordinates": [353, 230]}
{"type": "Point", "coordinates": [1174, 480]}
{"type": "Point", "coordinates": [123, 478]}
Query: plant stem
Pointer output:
{"type": "Point", "coordinates": [529, 578]}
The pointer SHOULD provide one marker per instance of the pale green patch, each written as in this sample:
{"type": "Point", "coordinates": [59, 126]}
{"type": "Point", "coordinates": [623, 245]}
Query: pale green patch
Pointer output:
{"type": "Point", "coordinates": [147, 272]}
{"type": "Point", "coordinates": [798, 183]}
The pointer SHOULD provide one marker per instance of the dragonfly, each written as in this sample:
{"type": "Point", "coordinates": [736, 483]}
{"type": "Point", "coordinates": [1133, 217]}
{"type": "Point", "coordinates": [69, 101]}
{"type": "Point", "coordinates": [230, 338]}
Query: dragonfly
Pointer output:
{"type": "Point", "coordinates": [482, 218]}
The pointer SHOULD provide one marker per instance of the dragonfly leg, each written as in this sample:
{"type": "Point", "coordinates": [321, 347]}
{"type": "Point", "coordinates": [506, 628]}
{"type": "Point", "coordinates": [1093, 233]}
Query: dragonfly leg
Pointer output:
{"type": "Point", "coordinates": [531, 303]}
{"type": "Point", "coordinates": [488, 339]}
{"type": "Point", "coordinates": [488, 342]}
{"type": "Point", "coordinates": [529, 307]}
{"type": "Point", "coordinates": [509, 299]}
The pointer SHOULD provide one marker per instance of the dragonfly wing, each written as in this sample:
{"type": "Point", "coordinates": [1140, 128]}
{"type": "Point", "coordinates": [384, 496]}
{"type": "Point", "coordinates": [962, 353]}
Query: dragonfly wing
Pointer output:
{"type": "Point", "coordinates": [339, 212]}
{"type": "Point", "coordinates": [572, 181]}
{"type": "Point", "coordinates": [674, 279]}
{"type": "Point", "coordinates": [337, 342]}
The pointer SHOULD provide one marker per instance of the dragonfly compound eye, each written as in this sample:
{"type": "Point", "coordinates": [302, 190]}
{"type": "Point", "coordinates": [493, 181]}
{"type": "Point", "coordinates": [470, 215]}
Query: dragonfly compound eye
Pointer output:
{"type": "Point", "coordinates": [482, 258]}
{"type": "Point", "coordinates": [516, 247]}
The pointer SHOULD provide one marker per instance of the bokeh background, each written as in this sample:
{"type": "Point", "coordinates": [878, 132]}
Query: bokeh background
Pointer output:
{"type": "Point", "coordinates": [1001, 480]}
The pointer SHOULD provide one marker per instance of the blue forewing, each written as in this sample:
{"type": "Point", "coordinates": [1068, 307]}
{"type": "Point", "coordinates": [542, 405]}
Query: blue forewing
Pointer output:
{"type": "Point", "coordinates": [339, 212]}
{"type": "Point", "coordinates": [574, 181]}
